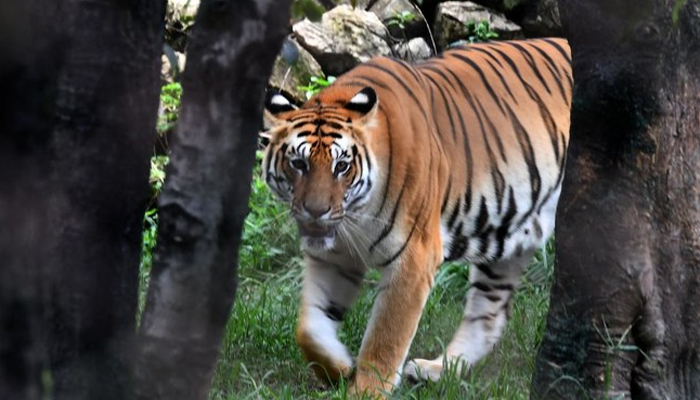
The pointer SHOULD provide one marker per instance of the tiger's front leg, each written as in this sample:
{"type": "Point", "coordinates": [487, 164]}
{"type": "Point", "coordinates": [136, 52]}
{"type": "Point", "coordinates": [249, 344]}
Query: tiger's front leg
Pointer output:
{"type": "Point", "coordinates": [328, 291]}
{"type": "Point", "coordinates": [403, 291]}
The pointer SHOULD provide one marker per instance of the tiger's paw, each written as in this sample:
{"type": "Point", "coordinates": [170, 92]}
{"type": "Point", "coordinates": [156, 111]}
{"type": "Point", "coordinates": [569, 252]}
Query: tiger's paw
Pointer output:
{"type": "Point", "coordinates": [420, 370]}
{"type": "Point", "coordinates": [370, 387]}
{"type": "Point", "coordinates": [328, 358]}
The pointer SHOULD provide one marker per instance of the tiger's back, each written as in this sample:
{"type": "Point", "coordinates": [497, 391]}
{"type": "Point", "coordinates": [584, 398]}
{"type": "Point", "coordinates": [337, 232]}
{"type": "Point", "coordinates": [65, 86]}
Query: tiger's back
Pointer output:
{"type": "Point", "coordinates": [457, 157]}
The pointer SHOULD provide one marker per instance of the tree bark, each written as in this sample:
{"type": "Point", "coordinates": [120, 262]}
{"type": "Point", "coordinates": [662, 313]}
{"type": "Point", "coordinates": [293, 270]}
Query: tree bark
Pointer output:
{"type": "Point", "coordinates": [28, 61]}
{"type": "Point", "coordinates": [623, 321]}
{"type": "Point", "coordinates": [83, 80]}
{"type": "Point", "coordinates": [204, 199]}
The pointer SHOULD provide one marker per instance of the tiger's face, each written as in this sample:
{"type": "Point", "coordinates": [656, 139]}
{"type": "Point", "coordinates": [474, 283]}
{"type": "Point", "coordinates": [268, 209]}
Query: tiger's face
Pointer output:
{"type": "Point", "coordinates": [318, 159]}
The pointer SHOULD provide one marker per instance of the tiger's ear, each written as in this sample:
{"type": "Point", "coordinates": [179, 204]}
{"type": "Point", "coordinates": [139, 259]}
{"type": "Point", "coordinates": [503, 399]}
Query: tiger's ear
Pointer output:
{"type": "Point", "coordinates": [276, 103]}
{"type": "Point", "coordinates": [364, 102]}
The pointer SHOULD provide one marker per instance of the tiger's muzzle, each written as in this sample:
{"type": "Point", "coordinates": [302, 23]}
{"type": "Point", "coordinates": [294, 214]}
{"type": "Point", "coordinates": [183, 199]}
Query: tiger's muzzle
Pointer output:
{"type": "Point", "coordinates": [317, 228]}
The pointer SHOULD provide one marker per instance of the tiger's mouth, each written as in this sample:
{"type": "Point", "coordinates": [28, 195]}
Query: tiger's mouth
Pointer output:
{"type": "Point", "coordinates": [316, 231]}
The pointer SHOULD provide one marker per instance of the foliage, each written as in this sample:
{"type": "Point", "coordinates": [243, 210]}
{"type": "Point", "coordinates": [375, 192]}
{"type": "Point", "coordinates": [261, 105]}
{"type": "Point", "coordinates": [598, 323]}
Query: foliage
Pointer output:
{"type": "Point", "coordinates": [150, 225]}
{"type": "Point", "coordinates": [315, 85]}
{"type": "Point", "coordinates": [401, 19]}
{"type": "Point", "coordinates": [480, 31]}
{"type": "Point", "coordinates": [310, 9]}
{"type": "Point", "coordinates": [170, 95]}
{"type": "Point", "coordinates": [677, 9]}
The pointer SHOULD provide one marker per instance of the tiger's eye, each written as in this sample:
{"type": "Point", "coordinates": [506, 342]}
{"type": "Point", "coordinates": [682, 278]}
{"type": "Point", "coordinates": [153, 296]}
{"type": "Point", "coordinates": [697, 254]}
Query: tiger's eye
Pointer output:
{"type": "Point", "coordinates": [341, 166]}
{"type": "Point", "coordinates": [298, 164]}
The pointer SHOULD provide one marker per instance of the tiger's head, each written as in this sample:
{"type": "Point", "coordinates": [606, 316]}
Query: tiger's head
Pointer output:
{"type": "Point", "coordinates": [318, 158]}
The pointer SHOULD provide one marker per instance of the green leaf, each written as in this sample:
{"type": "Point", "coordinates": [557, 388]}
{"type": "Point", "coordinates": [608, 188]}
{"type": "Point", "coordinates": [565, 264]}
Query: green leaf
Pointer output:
{"type": "Point", "coordinates": [309, 9]}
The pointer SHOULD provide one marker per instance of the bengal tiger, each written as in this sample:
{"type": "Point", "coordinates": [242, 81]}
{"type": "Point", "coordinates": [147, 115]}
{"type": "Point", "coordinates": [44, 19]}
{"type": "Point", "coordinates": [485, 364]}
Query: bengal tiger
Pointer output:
{"type": "Point", "coordinates": [401, 167]}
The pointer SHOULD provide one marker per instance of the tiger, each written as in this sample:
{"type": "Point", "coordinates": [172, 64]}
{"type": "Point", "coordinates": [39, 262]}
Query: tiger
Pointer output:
{"type": "Point", "coordinates": [400, 167]}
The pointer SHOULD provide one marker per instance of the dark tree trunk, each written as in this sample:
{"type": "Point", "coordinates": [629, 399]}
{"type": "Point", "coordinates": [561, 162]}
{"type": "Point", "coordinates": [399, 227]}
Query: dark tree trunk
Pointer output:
{"type": "Point", "coordinates": [625, 306]}
{"type": "Point", "coordinates": [82, 81]}
{"type": "Point", "coordinates": [28, 70]}
{"type": "Point", "coordinates": [106, 106]}
{"type": "Point", "coordinates": [204, 199]}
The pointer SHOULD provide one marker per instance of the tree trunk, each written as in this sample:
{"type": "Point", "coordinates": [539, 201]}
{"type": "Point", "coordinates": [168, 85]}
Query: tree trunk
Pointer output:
{"type": "Point", "coordinates": [204, 199]}
{"type": "Point", "coordinates": [625, 306]}
{"type": "Point", "coordinates": [28, 61]}
{"type": "Point", "coordinates": [83, 79]}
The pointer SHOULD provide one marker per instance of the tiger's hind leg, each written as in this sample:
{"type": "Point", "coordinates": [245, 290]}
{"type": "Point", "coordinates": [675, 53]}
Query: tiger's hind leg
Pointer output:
{"type": "Point", "coordinates": [328, 291]}
{"type": "Point", "coordinates": [484, 319]}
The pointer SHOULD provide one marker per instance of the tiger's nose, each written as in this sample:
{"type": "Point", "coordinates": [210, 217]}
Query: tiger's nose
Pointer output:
{"type": "Point", "coordinates": [316, 211]}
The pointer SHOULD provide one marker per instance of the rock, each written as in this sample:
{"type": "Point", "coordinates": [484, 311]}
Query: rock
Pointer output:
{"type": "Point", "coordinates": [401, 17]}
{"type": "Point", "coordinates": [173, 65]}
{"type": "Point", "coordinates": [414, 50]}
{"type": "Point", "coordinates": [537, 17]}
{"type": "Point", "coordinates": [289, 74]}
{"type": "Point", "coordinates": [344, 38]}
{"type": "Point", "coordinates": [179, 18]}
{"type": "Point", "coordinates": [453, 17]}
{"type": "Point", "coordinates": [541, 18]}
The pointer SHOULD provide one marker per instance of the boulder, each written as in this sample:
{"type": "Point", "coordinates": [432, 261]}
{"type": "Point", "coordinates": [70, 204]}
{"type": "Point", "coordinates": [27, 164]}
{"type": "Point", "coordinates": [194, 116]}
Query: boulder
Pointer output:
{"type": "Point", "coordinates": [538, 18]}
{"type": "Point", "coordinates": [453, 17]}
{"type": "Point", "coordinates": [404, 20]}
{"type": "Point", "coordinates": [172, 65]}
{"type": "Point", "coordinates": [343, 38]}
{"type": "Point", "coordinates": [541, 18]}
{"type": "Point", "coordinates": [415, 49]}
{"type": "Point", "coordinates": [290, 73]}
{"type": "Point", "coordinates": [179, 18]}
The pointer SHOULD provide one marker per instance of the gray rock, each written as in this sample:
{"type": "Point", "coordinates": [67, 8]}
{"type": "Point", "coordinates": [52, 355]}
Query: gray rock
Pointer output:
{"type": "Point", "coordinates": [290, 76]}
{"type": "Point", "coordinates": [415, 49]}
{"type": "Point", "coordinates": [403, 19]}
{"type": "Point", "coordinates": [453, 17]}
{"type": "Point", "coordinates": [179, 19]}
{"type": "Point", "coordinates": [344, 38]}
{"type": "Point", "coordinates": [172, 66]}
{"type": "Point", "coordinates": [542, 19]}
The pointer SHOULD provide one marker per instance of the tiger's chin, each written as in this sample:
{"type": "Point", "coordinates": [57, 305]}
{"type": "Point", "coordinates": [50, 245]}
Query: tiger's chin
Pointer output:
{"type": "Point", "coordinates": [315, 236]}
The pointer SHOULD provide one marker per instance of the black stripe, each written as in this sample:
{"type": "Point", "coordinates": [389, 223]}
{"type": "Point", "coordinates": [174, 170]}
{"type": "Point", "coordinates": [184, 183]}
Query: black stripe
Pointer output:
{"type": "Point", "coordinates": [544, 110]}
{"type": "Point", "coordinates": [446, 198]}
{"type": "Point", "coordinates": [465, 136]}
{"type": "Point", "coordinates": [554, 71]}
{"type": "Point", "coordinates": [484, 80]}
{"type": "Point", "coordinates": [533, 65]}
{"type": "Point", "coordinates": [486, 270]}
{"type": "Point", "coordinates": [453, 215]}
{"type": "Point", "coordinates": [403, 247]}
{"type": "Point", "coordinates": [559, 49]}
{"type": "Point", "coordinates": [335, 312]}
{"type": "Point", "coordinates": [402, 83]}
{"type": "Point", "coordinates": [392, 220]}
{"type": "Point", "coordinates": [471, 319]}
{"type": "Point", "coordinates": [493, 297]}
{"type": "Point", "coordinates": [482, 218]}
{"type": "Point", "coordinates": [516, 71]}
{"type": "Point", "coordinates": [459, 244]}
{"type": "Point", "coordinates": [485, 50]}
{"type": "Point", "coordinates": [415, 223]}
{"type": "Point", "coordinates": [502, 231]}
{"type": "Point", "coordinates": [503, 80]}
{"type": "Point", "coordinates": [528, 152]}
{"type": "Point", "coordinates": [488, 287]}
{"type": "Point", "coordinates": [446, 107]}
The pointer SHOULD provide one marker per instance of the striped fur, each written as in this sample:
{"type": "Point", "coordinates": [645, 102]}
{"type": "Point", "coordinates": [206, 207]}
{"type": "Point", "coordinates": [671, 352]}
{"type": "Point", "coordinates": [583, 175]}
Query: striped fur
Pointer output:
{"type": "Point", "coordinates": [400, 167]}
